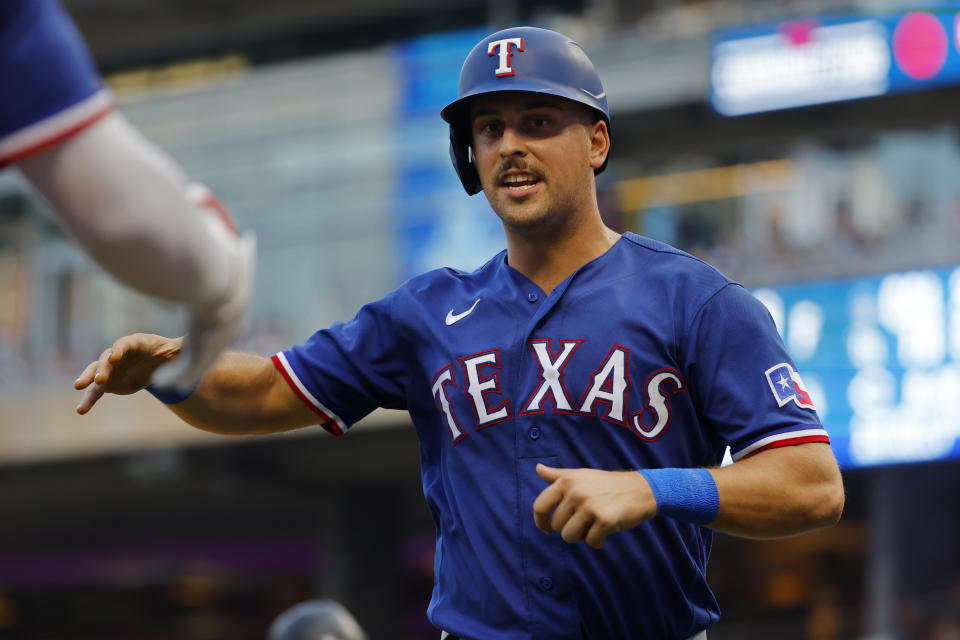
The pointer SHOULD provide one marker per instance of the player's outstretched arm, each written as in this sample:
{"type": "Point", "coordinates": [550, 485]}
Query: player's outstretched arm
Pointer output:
{"type": "Point", "coordinates": [240, 394]}
{"type": "Point", "coordinates": [777, 492]}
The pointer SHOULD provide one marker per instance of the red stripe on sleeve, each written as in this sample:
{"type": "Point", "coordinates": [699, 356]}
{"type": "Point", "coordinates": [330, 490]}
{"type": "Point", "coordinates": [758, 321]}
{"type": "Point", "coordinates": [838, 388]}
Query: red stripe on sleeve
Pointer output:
{"type": "Point", "coordinates": [56, 139]}
{"type": "Point", "coordinates": [790, 441]}
{"type": "Point", "coordinates": [213, 204]}
{"type": "Point", "coordinates": [328, 423]}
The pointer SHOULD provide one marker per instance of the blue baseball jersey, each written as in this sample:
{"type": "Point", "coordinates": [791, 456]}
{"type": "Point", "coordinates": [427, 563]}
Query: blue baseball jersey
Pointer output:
{"type": "Point", "coordinates": [50, 86]}
{"type": "Point", "coordinates": [645, 357]}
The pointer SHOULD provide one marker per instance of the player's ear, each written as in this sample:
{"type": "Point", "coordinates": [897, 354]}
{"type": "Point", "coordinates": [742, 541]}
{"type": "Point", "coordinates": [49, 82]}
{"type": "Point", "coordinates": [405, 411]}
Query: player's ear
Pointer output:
{"type": "Point", "coordinates": [599, 136]}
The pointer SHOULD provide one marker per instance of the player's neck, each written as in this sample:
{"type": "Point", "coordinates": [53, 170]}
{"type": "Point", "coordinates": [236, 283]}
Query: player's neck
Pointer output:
{"type": "Point", "coordinates": [548, 259]}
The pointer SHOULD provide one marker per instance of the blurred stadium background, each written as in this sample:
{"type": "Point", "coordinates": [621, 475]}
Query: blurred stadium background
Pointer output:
{"type": "Point", "coordinates": [808, 148]}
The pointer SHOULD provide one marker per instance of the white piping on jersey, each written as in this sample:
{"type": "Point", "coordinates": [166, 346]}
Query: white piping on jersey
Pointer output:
{"type": "Point", "coordinates": [790, 435]}
{"type": "Point", "coordinates": [306, 394]}
{"type": "Point", "coordinates": [49, 128]}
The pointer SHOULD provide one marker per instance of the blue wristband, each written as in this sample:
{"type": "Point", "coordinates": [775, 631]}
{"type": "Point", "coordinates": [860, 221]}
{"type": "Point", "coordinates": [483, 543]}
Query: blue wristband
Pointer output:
{"type": "Point", "coordinates": [171, 395]}
{"type": "Point", "coordinates": [689, 495]}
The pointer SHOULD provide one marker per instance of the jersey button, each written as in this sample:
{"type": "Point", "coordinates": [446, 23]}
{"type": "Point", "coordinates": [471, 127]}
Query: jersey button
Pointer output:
{"type": "Point", "coordinates": [546, 582]}
{"type": "Point", "coordinates": [532, 296]}
{"type": "Point", "coordinates": [534, 433]}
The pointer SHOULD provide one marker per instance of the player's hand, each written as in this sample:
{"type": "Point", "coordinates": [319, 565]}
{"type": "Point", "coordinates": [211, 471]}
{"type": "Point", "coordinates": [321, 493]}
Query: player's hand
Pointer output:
{"type": "Point", "coordinates": [125, 367]}
{"type": "Point", "coordinates": [587, 505]}
{"type": "Point", "coordinates": [211, 328]}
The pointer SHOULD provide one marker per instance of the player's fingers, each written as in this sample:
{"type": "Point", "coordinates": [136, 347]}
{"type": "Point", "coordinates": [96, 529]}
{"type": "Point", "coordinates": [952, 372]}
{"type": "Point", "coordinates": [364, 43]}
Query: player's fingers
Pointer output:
{"type": "Point", "coordinates": [93, 393]}
{"type": "Point", "coordinates": [563, 513]}
{"type": "Point", "coordinates": [117, 350]}
{"type": "Point", "coordinates": [597, 534]}
{"type": "Point", "coordinates": [86, 377]}
{"type": "Point", "coordinates": [546, 502]}
{"type": "Point", "coordinates": [103, 367]}
{"type": "Point", "coordinates": [548, 473]}
{"type": "Point", "coordinates": [576, 527]}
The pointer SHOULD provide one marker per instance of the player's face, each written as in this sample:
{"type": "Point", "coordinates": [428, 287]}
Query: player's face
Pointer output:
{"type": "Point", "coordinates": [536, 155]}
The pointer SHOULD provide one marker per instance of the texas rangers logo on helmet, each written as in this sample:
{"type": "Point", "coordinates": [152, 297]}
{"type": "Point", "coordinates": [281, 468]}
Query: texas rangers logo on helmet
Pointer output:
{"type": "Point", "coordinates": [502, 47]}
{"type": "Point", "coordinates": [786, 385]}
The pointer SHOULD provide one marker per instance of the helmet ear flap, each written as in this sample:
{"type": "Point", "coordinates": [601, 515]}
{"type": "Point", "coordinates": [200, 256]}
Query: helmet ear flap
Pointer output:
{"type": "Point", "coordinates": [462, 162]}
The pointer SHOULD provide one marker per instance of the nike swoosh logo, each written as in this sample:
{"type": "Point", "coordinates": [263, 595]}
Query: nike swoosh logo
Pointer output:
{"type": "Point", "coordinates": [457, 317]}
{"type": "Point", "coordinates": [595, 96]}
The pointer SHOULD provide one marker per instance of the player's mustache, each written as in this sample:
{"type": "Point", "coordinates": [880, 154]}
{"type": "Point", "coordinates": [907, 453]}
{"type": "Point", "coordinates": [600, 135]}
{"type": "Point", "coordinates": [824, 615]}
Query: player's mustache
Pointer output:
{"type": "Point", "coordinates": [515, 163]}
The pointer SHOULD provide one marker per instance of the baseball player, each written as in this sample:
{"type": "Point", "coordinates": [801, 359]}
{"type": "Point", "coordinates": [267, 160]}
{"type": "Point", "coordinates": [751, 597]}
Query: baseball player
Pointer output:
{"type": "Point", "coordinates": [573, 396]}
{"type": "Point", "coordinates": [121, 198]}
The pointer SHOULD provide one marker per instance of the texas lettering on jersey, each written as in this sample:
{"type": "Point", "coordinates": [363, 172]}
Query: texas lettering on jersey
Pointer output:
{"type": "Point", "coordinates": [606, 396]}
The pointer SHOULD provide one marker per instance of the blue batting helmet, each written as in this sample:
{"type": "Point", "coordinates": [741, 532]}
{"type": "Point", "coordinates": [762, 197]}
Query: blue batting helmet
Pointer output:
{"type": "Point", "coordinates": [519, 59]}
{"type": "Point", "coordinates": [316, 620]}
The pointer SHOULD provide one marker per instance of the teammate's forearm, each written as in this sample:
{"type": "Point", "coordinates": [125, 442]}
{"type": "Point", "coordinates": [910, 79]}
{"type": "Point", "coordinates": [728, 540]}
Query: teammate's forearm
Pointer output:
{"type": "Point", "coordinates": [779, 492]}
{"type": "Point", "coordinates": [234, 398]}
{"type": "Point", "coordinates": [126, 202]}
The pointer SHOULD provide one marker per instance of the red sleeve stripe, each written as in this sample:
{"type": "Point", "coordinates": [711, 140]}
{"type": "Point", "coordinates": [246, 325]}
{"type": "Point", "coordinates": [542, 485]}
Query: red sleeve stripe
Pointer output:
{"type": "Point", "coordinates": [331, 422]}
{"type": "Point", "coordinates": [54, 129]}
{"type": "Point", "coordinates": [783, 440]}
{"type": "Point", "coordinates": [200, 195]}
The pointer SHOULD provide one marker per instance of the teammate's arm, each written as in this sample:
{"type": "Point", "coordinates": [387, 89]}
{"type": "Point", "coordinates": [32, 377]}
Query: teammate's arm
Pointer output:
{"type": "Point", "coordinates": [240, 394]}
{"type": "Point", "coordinates": [124, 200]}
{"type": "Point", "coordinates": [132, 208]}
{"type": "Point", "coordinates": [776, 492]}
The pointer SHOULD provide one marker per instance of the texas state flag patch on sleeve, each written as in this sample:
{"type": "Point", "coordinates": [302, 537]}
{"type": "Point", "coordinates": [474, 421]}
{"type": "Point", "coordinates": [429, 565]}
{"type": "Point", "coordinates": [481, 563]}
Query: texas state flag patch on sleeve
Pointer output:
{"type": "Point", "coordinates": [786, 385]}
